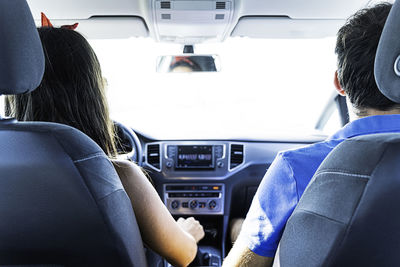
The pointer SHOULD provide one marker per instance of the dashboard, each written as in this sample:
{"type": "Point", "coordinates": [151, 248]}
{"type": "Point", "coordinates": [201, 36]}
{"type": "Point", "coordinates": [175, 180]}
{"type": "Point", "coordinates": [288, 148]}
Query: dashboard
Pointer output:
{"type": "Point", "coordinates": [211, 180]}
{"type": "Point", "coordinates": [197, 177]}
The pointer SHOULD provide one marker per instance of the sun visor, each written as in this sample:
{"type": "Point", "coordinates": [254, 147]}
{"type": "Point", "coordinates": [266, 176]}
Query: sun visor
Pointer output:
{"type": "Point", "coordinates": [387, 61]}
{"type": "Point", "coordinates": [285, 27]}
{"type": "Point", "coordinates": [107, 27]}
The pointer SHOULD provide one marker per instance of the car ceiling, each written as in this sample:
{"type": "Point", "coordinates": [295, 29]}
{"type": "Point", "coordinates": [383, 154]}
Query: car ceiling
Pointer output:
{"type": "Point", "coordinates": [198, 21]}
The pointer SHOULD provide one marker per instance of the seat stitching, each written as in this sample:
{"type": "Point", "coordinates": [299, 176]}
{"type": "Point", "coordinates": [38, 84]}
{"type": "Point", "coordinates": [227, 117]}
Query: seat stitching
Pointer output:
{"type": "Point", "coordinates": [118, 190]}
{"type": "Point", "coordinates": [90, 156]}
{"type": "Point", "coordinates": [320, 215]}
{"type": "Point", "coordinates": [344, 173]}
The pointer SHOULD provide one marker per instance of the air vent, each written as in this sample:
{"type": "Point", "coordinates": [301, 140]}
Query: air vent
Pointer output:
{"type": "Point", "coordinates": [219, 16]}
{"type": "Point", "coordinates": [165, 5]}
{"type": "Point", "coordinates": [153, 155]}
{"type": "Point", "coordinates": [236, 155]}
{"type": "Point", "coordinates": [220, 5]}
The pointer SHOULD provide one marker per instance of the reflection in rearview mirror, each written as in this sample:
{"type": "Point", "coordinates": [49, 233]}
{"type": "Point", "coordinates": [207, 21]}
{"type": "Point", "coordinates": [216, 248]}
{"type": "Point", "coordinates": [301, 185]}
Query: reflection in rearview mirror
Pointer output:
{"type": "Point", "coordinates": [186, 63]}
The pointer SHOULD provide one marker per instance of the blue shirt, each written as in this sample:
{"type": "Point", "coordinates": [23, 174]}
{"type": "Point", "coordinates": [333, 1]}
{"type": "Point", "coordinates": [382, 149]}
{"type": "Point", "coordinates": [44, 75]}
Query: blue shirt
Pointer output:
{"type": "Point", "coordinates": [287, 178]}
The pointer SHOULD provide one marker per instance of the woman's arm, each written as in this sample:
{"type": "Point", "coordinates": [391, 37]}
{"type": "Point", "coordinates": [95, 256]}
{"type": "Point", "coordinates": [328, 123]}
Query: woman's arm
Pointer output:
{"type": "Point", "coordinates": [158, 228]}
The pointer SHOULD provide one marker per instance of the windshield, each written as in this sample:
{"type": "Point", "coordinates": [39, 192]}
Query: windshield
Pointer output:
{"type": "Point", "coordinates": [265, 86]}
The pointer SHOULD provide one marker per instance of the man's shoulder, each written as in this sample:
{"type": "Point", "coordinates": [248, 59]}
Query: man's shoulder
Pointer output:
{"type": "Point", "coordinates": [304, 161]}
{"type": "Point", "coordinates": [308, 151]}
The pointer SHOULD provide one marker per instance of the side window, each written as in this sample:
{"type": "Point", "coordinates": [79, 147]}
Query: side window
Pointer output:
{"type": "Point", "coordinates": [333, 124]}
{"type": "Point", "coordinates": [334, 115]}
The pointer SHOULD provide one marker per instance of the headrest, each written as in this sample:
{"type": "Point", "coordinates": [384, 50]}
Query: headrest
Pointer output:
{"type": "Point", "coordinates": [387, 61]}
{"type": "Point", "coordinates": [21, 52]}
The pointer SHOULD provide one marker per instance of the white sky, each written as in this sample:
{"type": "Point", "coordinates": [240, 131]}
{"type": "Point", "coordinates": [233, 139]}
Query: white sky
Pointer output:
{"type": "Point", "coordinates": [265, 85]}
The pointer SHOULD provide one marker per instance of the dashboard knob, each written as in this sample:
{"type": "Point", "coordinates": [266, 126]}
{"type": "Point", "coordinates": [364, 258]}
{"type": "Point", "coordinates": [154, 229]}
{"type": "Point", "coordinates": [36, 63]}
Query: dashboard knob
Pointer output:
{"type": "Point", "coordinates": [175, 204]}
{"type": "Point", "coordinates": [193, 204]}
{"type": "Point", "coordinates": [212, 204]}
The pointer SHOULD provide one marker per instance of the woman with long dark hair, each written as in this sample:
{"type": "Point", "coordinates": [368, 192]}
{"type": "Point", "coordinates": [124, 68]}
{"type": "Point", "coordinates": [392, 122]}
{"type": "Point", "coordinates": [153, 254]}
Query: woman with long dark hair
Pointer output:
{"type": "Point", "coordinates": [72, 92]}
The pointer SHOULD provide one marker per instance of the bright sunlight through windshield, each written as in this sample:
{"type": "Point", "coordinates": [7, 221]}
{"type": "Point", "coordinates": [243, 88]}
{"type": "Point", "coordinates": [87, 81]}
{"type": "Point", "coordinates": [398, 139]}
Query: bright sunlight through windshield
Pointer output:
{"type": "Point", "coordinates": [265, 87]}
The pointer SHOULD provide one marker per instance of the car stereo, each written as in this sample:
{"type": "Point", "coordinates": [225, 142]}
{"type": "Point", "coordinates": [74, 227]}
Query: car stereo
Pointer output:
{"type": "Point", "coordinates": [194, 157]}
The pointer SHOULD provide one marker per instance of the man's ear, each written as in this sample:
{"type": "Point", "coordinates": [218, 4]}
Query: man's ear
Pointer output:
{"type": "Point", "coordinates": [338, 87]}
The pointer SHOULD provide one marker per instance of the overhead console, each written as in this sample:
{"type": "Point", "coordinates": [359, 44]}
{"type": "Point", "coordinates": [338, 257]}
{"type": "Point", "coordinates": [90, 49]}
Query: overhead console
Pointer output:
{"type": "Point", "coordinates": [192, 21]}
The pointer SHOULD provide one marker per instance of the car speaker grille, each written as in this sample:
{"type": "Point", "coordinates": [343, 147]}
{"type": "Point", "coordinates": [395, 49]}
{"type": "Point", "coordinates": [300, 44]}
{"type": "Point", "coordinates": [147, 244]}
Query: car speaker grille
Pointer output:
{"type": "Point", "coordinates": [220, 5]}
{"type": "Point", "coordinates": [153, 155]}
{"type": "Point", "coordinates": [236, 155]}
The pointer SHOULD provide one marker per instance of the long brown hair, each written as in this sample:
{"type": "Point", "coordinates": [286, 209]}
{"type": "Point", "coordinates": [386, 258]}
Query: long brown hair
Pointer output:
{"type": "Point", "coordinates": [72, 90]}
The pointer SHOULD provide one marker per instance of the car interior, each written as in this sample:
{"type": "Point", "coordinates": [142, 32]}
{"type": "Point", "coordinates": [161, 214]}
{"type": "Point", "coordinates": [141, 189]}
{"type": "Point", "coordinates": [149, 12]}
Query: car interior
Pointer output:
{"type": "Point", "coordinates": [61, 201]}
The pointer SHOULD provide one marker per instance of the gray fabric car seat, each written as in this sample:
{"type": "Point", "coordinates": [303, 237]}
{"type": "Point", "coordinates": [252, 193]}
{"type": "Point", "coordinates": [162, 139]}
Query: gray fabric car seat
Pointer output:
{"type": "Point", "coordinates": [349, 213]}
{"type": "Point", "coordinates": [61, 201]}
{"type": "Point", "coordinates": [387, 61]}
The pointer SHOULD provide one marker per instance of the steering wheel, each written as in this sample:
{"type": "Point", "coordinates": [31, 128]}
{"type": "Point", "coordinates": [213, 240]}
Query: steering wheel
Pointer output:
{"type": "Point", "coordinates": [128, 143]}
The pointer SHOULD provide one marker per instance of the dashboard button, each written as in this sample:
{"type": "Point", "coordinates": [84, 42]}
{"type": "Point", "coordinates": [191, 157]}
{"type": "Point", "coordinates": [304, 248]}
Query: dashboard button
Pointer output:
{"type": "Point", "coordinates": [168, 164]}
{"type": "Point", "coordinates": [171, 151]}
{"type": "Point", "coordinates": [175, 204]}
{"type": "Point", "coordinates": [212, 204]}
{"type": "Point", "coordinates": [185, 204]}
{"type": "Point", "coordinates": [193, 204]}
{"type": "Point", "coordinates": [219, 151]}
{"type": "Point", "coordinates": [220, 164]}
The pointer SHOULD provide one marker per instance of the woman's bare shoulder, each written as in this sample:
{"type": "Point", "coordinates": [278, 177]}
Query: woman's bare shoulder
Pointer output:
{"type": "Point", "coordinates": [125, 166]}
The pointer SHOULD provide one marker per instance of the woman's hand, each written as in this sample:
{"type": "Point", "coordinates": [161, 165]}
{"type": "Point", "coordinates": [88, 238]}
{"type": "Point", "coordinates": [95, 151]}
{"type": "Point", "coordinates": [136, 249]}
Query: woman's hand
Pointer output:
{"type": "Point", "coordinates": [192, 227]}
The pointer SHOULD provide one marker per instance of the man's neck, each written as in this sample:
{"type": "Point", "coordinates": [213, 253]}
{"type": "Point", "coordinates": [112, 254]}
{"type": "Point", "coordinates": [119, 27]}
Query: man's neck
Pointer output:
{"type": "Point", "coordinates": [361, 113]}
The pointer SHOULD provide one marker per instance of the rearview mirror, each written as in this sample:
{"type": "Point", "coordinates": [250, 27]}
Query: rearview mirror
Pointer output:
{"type": "Point", "coordinates": [188, 63]}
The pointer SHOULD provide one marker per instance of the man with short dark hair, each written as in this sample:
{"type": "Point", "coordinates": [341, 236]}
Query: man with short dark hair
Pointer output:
{"type": "Point", "coordinates": [291, 171]}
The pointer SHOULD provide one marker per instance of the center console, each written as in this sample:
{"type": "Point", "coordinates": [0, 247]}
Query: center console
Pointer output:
{"type": "Point", "coordinates": [190, 177]}
{"type": "Point", "coordinates": [194, 199]}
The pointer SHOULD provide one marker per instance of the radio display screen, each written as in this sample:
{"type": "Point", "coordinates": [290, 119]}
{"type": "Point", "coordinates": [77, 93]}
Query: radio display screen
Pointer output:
{"type": "Point", "coordinates": [195, 157]}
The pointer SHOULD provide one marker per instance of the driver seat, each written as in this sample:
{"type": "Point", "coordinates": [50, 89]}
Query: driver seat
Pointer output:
{"type": "Point", "coordinates": [349, 215]}
{"type": "Point", "coordinates": [61, 200]}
